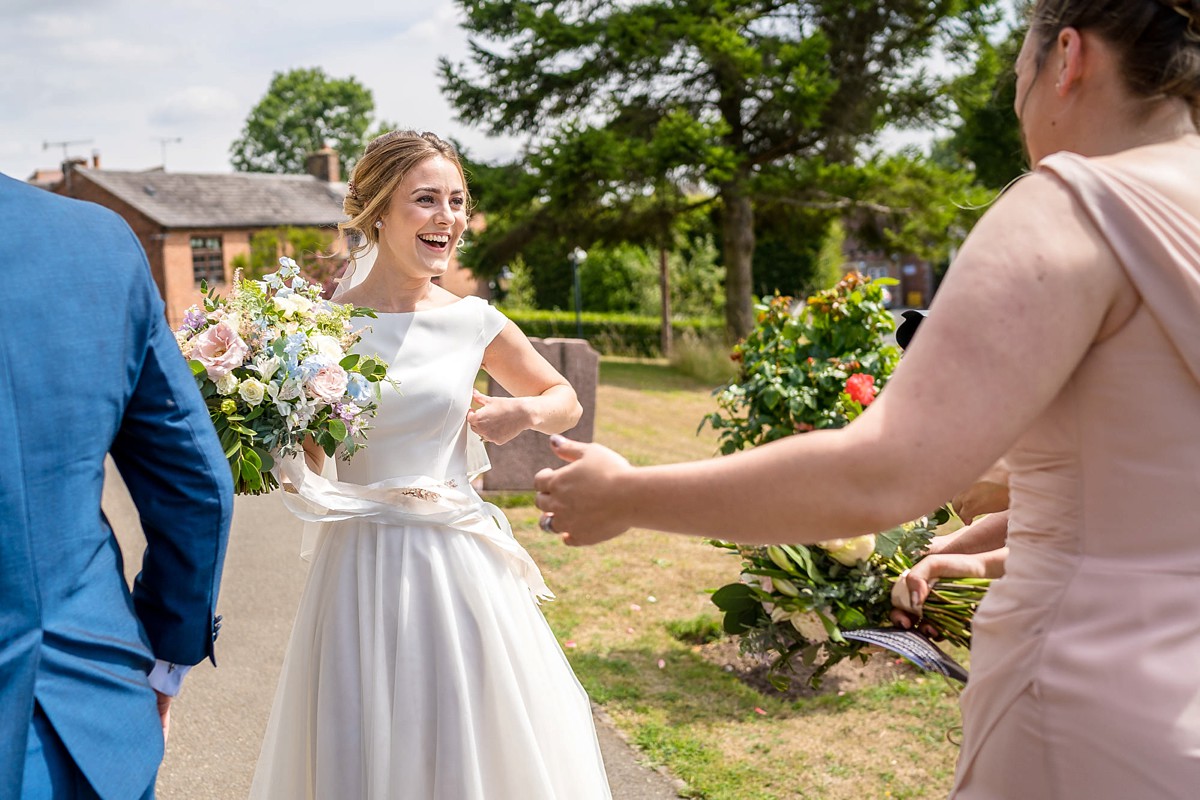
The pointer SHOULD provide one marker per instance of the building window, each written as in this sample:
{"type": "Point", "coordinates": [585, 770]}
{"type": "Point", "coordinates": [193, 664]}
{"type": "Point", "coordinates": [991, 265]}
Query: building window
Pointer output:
{"type": "Point", "coordinates": [207, 261]}
{"type": "Point", "coordinates": [877, 272]}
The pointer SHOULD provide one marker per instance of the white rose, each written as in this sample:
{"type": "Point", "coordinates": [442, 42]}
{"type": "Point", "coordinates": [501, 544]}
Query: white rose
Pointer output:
{"type": "Point", "coordinates": [327, 346]}
{"type": "Point", "coordinates": [292, 303]}
{"type": "Point", "coordinates": [227, 384]}
{"type": "Point", "coordinates": [850, 551]}
{"type": "Point", "coordinates": [252, 391]}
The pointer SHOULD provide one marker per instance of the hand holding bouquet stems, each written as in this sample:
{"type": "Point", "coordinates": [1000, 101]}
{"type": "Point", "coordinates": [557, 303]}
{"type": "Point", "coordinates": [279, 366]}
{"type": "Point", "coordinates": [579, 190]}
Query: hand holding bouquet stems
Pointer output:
{"type": "Point", "coordinates": [976, 551]}
{"type": "Point", "coordinates": [274, 366]}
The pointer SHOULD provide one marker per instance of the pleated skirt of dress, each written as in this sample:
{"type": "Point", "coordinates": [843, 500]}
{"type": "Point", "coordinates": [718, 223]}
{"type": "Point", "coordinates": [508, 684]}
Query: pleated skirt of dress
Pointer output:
{"type": "Point", "coordinates": [420, 668]}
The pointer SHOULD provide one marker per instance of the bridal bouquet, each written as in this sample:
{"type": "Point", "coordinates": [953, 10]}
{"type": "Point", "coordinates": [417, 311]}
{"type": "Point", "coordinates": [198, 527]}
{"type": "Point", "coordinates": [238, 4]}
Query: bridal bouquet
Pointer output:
{"type": "Point", "coordinates": [273, 364]}
{"type": "Point", "coordinates": [797, 600]}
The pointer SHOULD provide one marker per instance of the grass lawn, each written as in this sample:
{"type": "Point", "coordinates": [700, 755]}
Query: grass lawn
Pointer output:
{"type": "Point", "coordinates": [725, 739]}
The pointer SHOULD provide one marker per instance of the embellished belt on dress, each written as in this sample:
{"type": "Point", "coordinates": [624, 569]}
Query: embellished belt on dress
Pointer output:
{"type": "Point", "coordinates": [409, 500]}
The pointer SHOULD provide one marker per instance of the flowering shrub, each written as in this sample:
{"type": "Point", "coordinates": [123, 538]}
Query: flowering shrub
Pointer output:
{"type": "Point", "coordinates": [816, 368]}
{"type": "Point", "coordinates": [273, 364]}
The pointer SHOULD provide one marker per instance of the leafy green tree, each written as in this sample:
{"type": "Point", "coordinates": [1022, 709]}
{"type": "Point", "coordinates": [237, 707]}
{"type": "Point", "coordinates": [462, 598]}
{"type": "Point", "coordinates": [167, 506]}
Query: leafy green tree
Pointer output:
{"type": "Point", "coordinates": [988, 138]}
{"type": "Point", "coordinates": [640, 106]}
{"type": "Point", "coordinates": [518, 293]}
{"type": "Point", "coordinates": [301, 111]}
{"type": "Point", "coordinates": [311, 248]}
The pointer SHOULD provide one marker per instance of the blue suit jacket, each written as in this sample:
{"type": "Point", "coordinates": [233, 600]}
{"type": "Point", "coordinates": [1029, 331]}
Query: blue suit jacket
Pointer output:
{"type": "Point", "coordinates": [88, 366]}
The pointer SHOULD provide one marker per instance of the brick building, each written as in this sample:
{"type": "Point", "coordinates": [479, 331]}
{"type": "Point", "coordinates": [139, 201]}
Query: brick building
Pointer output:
{"type": "Point", "coordinates": [915, 275]}
{"type": "Point", "coordinates": [192, 226]}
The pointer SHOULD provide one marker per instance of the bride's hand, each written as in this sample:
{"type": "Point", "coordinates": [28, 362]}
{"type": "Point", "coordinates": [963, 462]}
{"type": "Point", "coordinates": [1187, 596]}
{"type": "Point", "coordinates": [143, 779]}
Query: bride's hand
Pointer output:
{"type": "Point", "coordinates": [498, 419]}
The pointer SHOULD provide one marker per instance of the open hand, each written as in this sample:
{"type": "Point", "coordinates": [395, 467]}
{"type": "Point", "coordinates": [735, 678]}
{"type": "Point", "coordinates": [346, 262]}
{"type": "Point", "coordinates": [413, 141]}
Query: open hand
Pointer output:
{"type": "Point", "coordinates": [582, 501]}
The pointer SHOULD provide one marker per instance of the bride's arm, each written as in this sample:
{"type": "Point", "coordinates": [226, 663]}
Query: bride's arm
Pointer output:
{"type": "Point", "coordinates": [542, 399]}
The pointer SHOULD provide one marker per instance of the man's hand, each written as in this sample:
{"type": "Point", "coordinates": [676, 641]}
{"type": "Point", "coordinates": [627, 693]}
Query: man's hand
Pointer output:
{"type": "Point", "coordinates": [164, 713]}
{"type": "Point", "coordinates": [582, 501]}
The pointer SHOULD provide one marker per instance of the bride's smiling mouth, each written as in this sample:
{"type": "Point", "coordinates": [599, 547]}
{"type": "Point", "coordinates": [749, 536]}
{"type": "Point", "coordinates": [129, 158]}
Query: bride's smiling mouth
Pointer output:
{"type": "Point", "coordinates": [435, 241]}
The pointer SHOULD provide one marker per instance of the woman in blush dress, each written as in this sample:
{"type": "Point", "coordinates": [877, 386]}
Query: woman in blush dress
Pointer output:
{"type": "Point", "coordinates": [1084, 679]}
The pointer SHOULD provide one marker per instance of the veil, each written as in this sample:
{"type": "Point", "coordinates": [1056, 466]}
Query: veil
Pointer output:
{"type": "Point", "coordinates": [356, 272]}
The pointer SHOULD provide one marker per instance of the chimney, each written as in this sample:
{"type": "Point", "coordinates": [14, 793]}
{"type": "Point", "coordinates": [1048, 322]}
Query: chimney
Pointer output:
{"type": "Point", "coordinates": [68, 167]}
{"type": "Point", "coordinates": [323, 165]}
{"type": "Point", "coordinates": [95, 159]}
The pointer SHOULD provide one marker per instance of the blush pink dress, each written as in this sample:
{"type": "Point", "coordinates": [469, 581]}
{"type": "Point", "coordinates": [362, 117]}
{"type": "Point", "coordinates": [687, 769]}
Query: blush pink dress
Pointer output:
{"type": "Point", "coordinates": [1085, 668]}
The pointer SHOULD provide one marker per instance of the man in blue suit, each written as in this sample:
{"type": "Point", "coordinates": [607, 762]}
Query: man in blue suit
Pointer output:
{"type": "Point", "coordinates": [88, 367]}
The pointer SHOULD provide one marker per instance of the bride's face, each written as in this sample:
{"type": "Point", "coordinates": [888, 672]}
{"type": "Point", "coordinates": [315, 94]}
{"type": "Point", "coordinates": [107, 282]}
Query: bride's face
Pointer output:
{"type": "Point", "coordinates": [425, 218]}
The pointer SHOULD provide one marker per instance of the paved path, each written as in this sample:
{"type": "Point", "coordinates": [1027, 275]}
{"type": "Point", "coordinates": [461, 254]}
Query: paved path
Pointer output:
{"type": "Point", "coordinates": [218, 721]}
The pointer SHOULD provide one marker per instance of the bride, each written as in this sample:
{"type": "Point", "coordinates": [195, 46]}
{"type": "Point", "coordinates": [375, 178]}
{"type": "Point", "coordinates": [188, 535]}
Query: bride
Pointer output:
{"type": "Point", "coordinates": [419, 665]}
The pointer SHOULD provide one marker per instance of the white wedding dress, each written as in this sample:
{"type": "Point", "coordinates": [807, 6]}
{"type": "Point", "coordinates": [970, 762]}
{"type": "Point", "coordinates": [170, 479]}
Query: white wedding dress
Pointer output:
{"type": "Point", "coordinates": [420, 667]}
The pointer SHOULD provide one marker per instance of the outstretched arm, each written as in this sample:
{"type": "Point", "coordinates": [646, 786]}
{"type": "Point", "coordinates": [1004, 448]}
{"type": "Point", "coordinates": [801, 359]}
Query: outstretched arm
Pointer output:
{"type": "Point", "coordinates": [970, 386]}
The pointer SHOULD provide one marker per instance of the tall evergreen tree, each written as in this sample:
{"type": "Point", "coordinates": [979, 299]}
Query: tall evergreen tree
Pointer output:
{"type": "Point", "coordinates": [639, 105]}
{"type": "Point", "coordinates": [988, 136]}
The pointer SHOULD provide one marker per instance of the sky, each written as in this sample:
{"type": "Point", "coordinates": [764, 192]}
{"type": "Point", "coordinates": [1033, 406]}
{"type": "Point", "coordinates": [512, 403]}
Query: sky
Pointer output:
{"type": "Point", "coordinates": [148, 82]}
{"type": "Point", "coordinates": [121, 76]}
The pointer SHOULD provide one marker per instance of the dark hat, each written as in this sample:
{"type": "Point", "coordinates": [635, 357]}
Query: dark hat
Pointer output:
{"type": "Point", "coordinates": [912, 319]}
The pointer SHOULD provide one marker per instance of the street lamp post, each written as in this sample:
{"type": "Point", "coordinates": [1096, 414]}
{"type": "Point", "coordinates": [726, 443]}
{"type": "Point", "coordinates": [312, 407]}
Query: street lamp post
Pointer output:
{"type": "Point", "coordinates": [577, 257]}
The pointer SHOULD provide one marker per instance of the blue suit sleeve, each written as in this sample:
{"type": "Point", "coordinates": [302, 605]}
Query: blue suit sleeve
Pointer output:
{"type": "Point", "coordinates": [172, 463]}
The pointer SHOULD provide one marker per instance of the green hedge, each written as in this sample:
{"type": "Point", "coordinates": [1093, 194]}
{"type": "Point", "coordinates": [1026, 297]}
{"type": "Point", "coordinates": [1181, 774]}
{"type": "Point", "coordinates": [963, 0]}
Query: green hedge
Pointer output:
{"type": "Point", "coordinates": [612, 334]}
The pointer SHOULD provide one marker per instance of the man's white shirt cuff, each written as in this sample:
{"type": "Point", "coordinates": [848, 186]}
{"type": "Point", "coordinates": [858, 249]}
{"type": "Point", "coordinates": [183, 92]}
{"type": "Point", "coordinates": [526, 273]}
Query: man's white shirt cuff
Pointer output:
{"type": "Point", "coordinates": [167, 678]}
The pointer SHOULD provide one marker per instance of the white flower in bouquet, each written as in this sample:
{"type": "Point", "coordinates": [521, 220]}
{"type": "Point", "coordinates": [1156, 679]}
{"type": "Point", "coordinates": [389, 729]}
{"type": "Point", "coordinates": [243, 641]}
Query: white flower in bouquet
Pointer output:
{"type": "Point", "coordinates": [850, 551]}
{"type": "Point", "coordinates": [267, 367]}
{"type": "Point", "coordinates": [252, 391]}
{"type": "Point", "coordinates": [290, 302]}
{"type": "Point", "coordinates": [227, 384]}
{"type": "Point", "coordinates": [328, 347]}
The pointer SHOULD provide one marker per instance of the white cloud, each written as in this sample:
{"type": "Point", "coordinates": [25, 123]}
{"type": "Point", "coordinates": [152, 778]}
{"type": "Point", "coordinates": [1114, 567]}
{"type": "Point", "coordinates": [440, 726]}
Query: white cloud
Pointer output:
{"type": "Point", "coordinates": [123, 74]}
{"type": "Point", "coordinates": [193, 104]}
{"type": "Point", "coordinates": [110, 53]}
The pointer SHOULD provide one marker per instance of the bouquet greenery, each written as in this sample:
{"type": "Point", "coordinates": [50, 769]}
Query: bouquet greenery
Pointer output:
{"type": "Point", "coordinates": [814, 368]}
{"type": "Point", "coordinates": [846, 585]}
{"type": "Point", "coordinates": [274, 366]}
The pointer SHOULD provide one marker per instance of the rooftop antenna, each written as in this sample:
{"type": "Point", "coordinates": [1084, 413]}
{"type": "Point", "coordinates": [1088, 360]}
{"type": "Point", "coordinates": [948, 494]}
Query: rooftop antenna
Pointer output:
{"type": "Point", "coordinates": [163, 141]}
{"type": "Point", "coordinates": [64, 145]}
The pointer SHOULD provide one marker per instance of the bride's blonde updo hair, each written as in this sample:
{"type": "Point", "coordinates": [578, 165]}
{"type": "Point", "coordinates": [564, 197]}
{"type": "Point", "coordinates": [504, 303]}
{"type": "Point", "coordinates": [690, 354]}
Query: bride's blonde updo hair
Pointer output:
{"type": "Point", "coordinates": [383, 167]}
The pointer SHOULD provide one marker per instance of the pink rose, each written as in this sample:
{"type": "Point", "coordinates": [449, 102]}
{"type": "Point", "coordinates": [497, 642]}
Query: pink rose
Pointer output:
{"type": "Point", "coordinates": [220, 350]}
{"type": "Point", "coordinates": [329, 384]}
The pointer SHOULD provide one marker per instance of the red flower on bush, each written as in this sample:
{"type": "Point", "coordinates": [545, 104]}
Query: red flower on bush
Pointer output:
{"type": "Point", "coordinates": [861, 388]}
